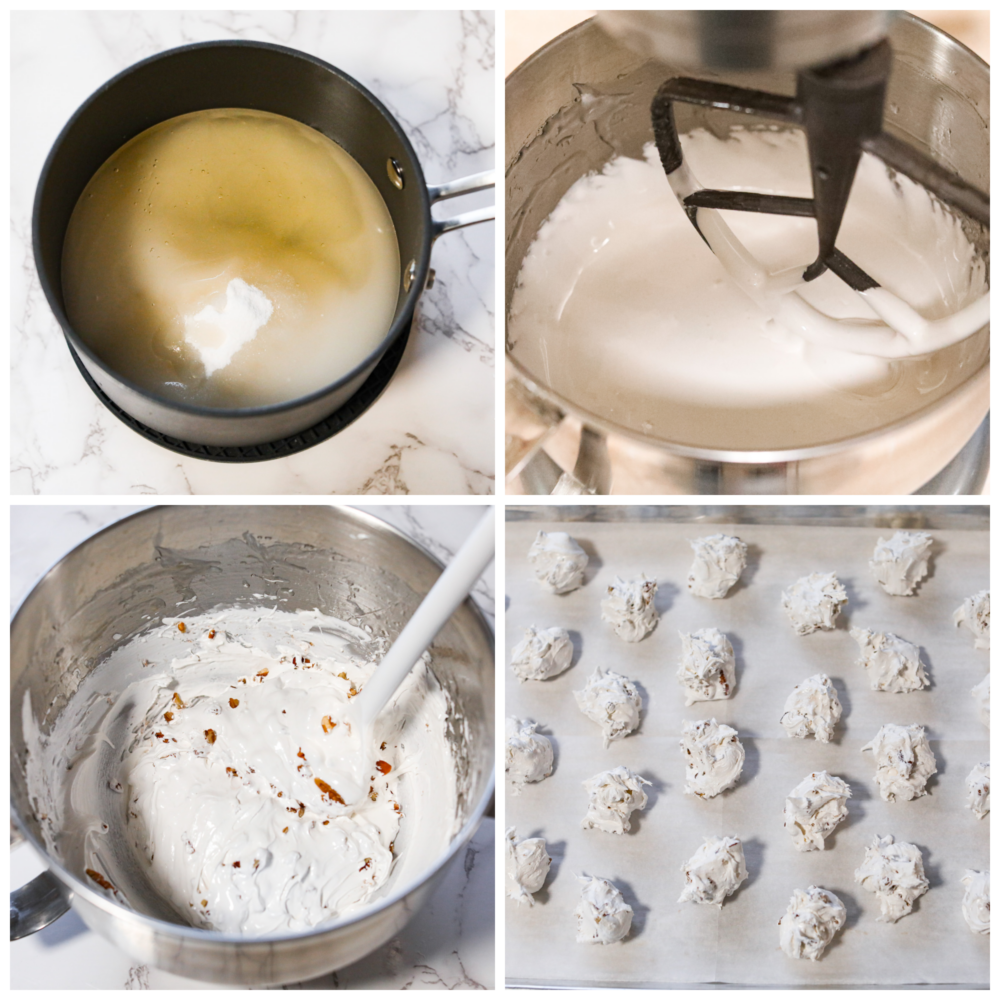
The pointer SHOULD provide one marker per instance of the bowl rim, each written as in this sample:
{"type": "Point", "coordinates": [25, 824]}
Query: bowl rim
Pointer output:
{"type": "Point", "coordinates": [117, 910]}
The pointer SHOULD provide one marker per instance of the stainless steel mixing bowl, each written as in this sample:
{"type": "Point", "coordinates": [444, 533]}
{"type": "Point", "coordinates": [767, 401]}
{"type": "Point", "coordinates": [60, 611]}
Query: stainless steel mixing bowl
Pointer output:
{"type": "Point", "coordinates": [121, 581]}
{"type": "Point", "coordinates": [583, 98]}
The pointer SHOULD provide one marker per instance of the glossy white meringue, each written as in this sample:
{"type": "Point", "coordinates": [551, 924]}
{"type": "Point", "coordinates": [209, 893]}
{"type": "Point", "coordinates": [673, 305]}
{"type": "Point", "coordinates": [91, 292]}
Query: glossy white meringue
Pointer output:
{"type": "Point", "coordinates": [813, 602]}
{"type": "Point", "coordinates": [629, 608]}
{"type": "Point", "coordinates": [718, 562]}
{"type": "Point", "coordinates": [541, 654]}
{"type": "Point", "coordinates": [812, 709]}
{"type": "Point", "coordinates": [558, 560]}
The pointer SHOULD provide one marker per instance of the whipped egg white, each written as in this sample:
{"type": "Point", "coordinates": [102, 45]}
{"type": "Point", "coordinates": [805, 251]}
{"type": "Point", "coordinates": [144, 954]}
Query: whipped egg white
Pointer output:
{"type": "Point", "coordinates": [234, 780]}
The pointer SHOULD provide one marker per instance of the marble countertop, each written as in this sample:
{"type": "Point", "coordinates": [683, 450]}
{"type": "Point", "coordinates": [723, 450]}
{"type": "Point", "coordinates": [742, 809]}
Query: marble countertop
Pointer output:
{"type": "Point", "coordinates": [433, 430]}
{"type": "Point", "coordinates": [451, 945]}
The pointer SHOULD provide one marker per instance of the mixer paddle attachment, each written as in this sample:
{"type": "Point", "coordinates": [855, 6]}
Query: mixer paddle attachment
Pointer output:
{"type": "Point", "coordinates": [839, 106]}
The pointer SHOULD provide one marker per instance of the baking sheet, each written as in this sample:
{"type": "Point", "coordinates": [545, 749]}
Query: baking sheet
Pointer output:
{"type": "Point", "coordinates": [672, 943]}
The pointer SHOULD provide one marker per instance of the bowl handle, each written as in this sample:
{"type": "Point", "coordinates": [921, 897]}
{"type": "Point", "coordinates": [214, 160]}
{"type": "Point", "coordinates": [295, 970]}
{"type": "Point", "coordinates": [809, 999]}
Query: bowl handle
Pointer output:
{"type": "Point", "coordinates": [464, 185]}
{"type": "Point", "coordinates": [36, 905]}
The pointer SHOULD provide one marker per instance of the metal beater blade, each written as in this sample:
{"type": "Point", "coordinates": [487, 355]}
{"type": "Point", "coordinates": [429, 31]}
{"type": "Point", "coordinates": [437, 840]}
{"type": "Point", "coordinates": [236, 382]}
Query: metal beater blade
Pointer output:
{"type": "Point", "coordinates": [840, 107]}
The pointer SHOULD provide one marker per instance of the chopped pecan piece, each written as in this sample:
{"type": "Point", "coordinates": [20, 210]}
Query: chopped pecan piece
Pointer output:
{"type": "Point", "coordinates": [234, 702]}
{"type": "Point", "coordinates": [328, 791]}
{"type": "Point", "coordinates": [210, 735]}
{"type": "Point", "coordinates": [100, 879]}
{"type": "Point", "coordinates": [181, 627]}
{"type": "Point", "coordinates": [328, 724]}
{"type": "Point", "coordinates": [384, 767]}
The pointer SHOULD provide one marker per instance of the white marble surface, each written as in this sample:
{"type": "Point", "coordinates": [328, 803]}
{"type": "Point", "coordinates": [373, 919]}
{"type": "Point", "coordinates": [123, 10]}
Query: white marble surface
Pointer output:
{"type": "Point", "coordinates": [450, 945]}
{"type": "Point", "coordinates": [433, 430]}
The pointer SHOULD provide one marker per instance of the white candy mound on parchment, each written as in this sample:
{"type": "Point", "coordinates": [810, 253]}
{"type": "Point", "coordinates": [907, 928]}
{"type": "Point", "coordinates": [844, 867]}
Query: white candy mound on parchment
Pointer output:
{"type": "Point", "coordinates": [978, 784]}
{"type": "Point", "coordinates": [526, 866]}
{"type": "Point", "coordinates": [813, 917]}
{"type": "Point", "coordinates": [813, 602]}
{"type": "Point", "coordinates": [541, 654]}
{"type": "Point", "coordinates": [629, 608]}
{"type": "Point", "coordinates": [974, 614]}
{"type": "Point", "coordinates": [904, 761]}
{"type": "Point", "coordinates": [976, 901]}
{"type": "Point", "coordinates": [708, 666]}
{"type": "Point", "coordinates": [894, 872]}
{"type": "Point", "coordinates": [612, 701]}
{"type": "Point", "coordinates": [713, 757]}
{"type": "Point", "coordinates": [892, 664]}
{"type": "Point", "coordinates": [528, 755]}
{"type": "Point", "coordinates": [900, 563]}
{"type": "Point", "coordinates": [813, 809]}
{"type": "Point", "coordinates": [614, 796]}
{"type": "Point", "coordinates": [602, 915]}
{"type": "Point", "coordinates": [718, 562]}
{"type": "Point", "coordinates": [558, 560]}
{"type": "Point", "coordinates": [715, 871]}
{"type": "Point", "coordinates": [812, 709]}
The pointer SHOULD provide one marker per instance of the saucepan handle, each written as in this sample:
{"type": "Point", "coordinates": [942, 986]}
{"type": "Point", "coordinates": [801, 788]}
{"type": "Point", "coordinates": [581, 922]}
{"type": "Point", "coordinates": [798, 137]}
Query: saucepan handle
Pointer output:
{"type": "Point", "coordinates": [36, 905]}
{"type": "Point", "coordinates": [464, 185]}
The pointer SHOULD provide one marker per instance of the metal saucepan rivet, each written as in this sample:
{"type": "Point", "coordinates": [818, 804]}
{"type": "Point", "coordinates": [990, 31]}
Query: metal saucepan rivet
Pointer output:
{"type": "Point", "coordinates": [430, 278]}
{"type": "Point", "coordinates": [395, 172]}
{"type": "Point", "coordinates": [409, 274]}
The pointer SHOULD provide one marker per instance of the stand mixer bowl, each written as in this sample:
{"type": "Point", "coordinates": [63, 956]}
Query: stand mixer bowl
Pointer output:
{"type": "Point", "coordinates": [584, 98]}
{"type": "Point", "coordinates": [120, 582]}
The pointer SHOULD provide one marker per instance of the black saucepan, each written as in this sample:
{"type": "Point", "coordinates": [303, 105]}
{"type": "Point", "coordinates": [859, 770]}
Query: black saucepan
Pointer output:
{"type": "Point", "coordinates": [264, 77]}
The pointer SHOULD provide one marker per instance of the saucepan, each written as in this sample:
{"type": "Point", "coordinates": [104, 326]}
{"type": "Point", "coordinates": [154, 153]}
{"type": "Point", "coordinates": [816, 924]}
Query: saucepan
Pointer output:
{"type": "Point", "coordinates": [263, 77]}
{"type": "Point", "coordinates": [583, 98]}
{"type": "Point", "coordinates": [119, 583]}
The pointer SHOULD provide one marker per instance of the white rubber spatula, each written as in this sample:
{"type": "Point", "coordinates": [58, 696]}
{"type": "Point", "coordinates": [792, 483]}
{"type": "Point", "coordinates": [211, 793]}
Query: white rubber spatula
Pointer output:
{"type": "Point", "coordinates": [452, 587]}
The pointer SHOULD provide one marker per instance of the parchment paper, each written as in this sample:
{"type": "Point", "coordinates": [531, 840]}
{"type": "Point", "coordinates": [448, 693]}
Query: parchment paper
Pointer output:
{"type": "Point", "coordinates": [672, 943]}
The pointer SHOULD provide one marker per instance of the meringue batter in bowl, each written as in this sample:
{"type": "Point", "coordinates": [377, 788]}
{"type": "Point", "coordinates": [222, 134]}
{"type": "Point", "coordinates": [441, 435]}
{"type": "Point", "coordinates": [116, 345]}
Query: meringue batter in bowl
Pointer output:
{"type": "Point", "coordinates": [263, 688]}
